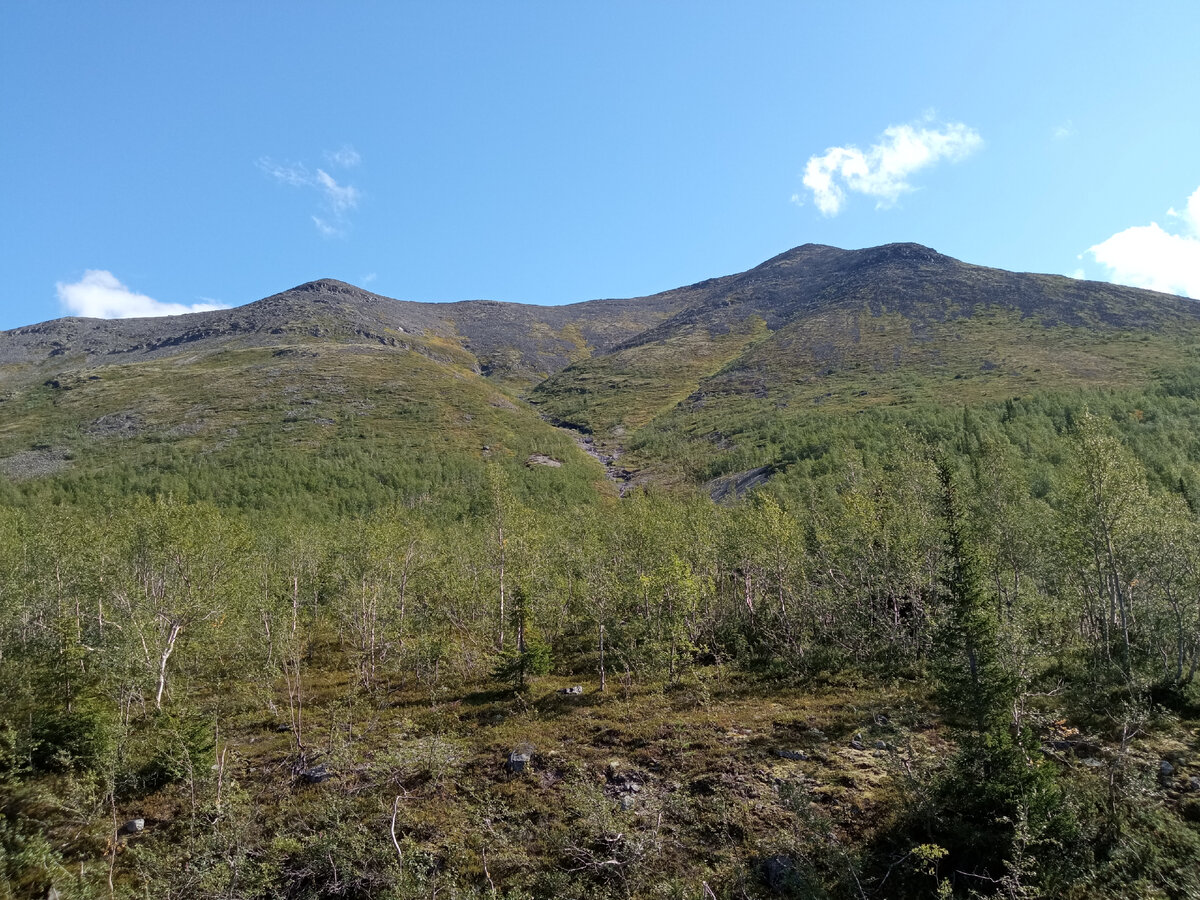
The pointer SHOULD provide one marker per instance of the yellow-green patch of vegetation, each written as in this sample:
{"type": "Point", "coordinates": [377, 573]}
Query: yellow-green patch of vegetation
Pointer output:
{"type": "Point", "coordinates": [629, 387]}
{"type": "Point", "coordinates": [839, 369]}
{"type": "Point", "coordinates": [291, 426]}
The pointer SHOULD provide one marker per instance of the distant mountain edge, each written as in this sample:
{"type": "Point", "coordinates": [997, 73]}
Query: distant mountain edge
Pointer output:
{"type": "Point", "coordinates": [529, 342]}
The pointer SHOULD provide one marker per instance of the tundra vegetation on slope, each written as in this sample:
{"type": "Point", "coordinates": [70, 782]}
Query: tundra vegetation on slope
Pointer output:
{"type": "Point", "coordinates": [952, 654]}
{"type": "Point", "coordinates": [303, 600]}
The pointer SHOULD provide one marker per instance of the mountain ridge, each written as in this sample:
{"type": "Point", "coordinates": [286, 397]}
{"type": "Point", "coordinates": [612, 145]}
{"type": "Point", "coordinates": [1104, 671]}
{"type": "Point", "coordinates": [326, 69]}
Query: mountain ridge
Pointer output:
{"type": "Point", "coordinates": [327, 308]}
{"type": "Point", "coordinates": [861, 327]}
{"type": "Point", "coordinates": [810, 269]}
{"type": "Point", "coordinates": [813, 330]}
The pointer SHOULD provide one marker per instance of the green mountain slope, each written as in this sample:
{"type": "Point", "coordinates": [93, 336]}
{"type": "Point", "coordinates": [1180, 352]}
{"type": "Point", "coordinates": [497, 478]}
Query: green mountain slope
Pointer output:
{"type": "Point", "coordinates": [835, 331]}
{"type": "Point", "coordinates": [409, 644]}
{"type": "Point", "coordinates": [320, 399]}
{"type": "Point", "coordinates": [326, 384]}
{"type": "Point", "coordinates": [308, 429]}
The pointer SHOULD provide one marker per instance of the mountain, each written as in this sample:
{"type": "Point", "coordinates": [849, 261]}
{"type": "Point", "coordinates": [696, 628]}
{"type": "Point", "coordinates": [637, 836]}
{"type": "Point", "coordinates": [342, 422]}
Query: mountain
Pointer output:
{"type": "Point", "coordinates": [329, 375]}
{"type": "Point", "coordinates": [809, 323]}
{"type": "Point", "coordinates": [948, 646]}
{"type": "Point", "coordinates": [508, 339]}
{"type": "Point", "coordinates": [320, 378]}
{"type": "Point", "coordinates": [819, 331]}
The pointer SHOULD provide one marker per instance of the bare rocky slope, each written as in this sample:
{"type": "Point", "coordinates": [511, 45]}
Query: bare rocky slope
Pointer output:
{"type": "Point", "coordinates": [510, 339]}
{"type": "Point", "coordinates": [529, 341]}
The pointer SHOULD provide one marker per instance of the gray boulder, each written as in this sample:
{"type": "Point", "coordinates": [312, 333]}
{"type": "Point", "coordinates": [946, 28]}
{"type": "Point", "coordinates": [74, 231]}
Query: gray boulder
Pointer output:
{"type": "Point", "coordinates": [315, 774]}
{"type": "Point", "coordinates": [519, 759]}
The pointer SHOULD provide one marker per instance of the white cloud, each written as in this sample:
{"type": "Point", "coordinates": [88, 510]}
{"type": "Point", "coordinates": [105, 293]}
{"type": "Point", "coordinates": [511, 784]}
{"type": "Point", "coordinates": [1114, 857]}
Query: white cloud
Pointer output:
{"type": "Point", "coordinates": [99, 295]}
{"type": "Point", "coordinates": [337, 200]}
{"type": "Point", "coordinates": [288, 173]}
{"type": "Point", "coordinates": [325, 228]}
{"type": "Point", "coordinates": [347, 157]}
{"type": "Point", "coordinates": [882, 171]}
{"type": "Point", "coordinates": [1149, 256]}
{"type": "Point", "coordinates": [340, 198]}
{"type": "Point", "coordinates": [1064, 131]}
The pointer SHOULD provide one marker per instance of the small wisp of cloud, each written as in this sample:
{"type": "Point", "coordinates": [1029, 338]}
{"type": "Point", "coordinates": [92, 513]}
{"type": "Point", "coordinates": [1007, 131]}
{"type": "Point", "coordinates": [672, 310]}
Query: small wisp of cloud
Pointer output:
{"type": "Point", "coordinates": [325, 228]}
{"type": "Point", "coordinates": [1150, 256]}
{"type": "Point", "coordinates": [337, 200]}
{"type": "Point", "coordinates": [1064, 131]}
{"type": "Point", "coordinates": [341, 197]}
{"type": "Point", "coordinates": [290, 173]}
{"type": "Point", "coordinates": [883, 170]}
{"type": "Point", "coordinates": [346, 157]}
{"type": "Point", "coordinates": [100, 295]}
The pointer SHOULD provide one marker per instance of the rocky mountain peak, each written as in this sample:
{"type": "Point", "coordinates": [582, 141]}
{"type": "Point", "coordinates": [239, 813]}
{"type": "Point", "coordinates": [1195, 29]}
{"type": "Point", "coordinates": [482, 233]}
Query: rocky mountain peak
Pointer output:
{"type": "Point", "coordinates": [901, 253]}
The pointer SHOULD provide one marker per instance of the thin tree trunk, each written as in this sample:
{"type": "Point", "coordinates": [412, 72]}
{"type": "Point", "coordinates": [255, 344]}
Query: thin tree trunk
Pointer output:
{"type": "Point", "coordinates": [404, 586]}
{"type": "Point", "coordinates": [602, 673]}
{"type": "Point", "coordinates": [1122, 601]}
{"type": "Point", "coordinates": [266, 620]}
{"type": "Point", "coordinates": [295, 603]}
{"type": "Point", "coordinates": [295, 688]}
{"type": "Point", "coordinates": [395, 842]}
{"type": "Point", "coordinates": [162, 663]}
{"type": "Point", "coordinates": [500, 539]}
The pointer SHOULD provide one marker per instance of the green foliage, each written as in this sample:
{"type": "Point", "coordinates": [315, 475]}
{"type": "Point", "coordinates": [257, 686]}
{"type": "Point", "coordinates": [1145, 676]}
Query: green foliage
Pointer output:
{"type": "Point", "coordinates": [1043, 571]}
{"type": "Point", "coordinates": [28, 863]}
{"type": "Point", "coordinates": [84, 735]}
{"type": "Point", "coordinates": [1154, 853]}
{"type": "Point", "coordinates": [173, 747]}
{"type": "Point", "coordinates": [520, 663]}
{"type": "Point", "coordinates": [995, 820]}
{"type": "Point", "coordinates": [976, 685]}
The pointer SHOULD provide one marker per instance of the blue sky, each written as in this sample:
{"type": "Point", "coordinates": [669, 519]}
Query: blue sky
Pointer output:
{"type": "Point", "coordinates": [162, 155]}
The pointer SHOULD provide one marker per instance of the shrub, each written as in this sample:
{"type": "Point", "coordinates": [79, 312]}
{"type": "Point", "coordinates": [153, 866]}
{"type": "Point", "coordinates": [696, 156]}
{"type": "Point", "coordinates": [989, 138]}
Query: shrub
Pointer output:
{"type": "Point", "coordinates": [84, 736]}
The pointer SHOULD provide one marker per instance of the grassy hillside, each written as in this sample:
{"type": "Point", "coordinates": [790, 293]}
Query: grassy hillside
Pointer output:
{"type": "Point", "coordinates": [304, 599]}
{"type": "Point", "coordinates": [841, 333]}
{"type": "Point", "coordinates": [630, 386]}
{"type": "Point", "coordinates": [401, 398]}
{"type": "Point", "coordinates": [310, 429]}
